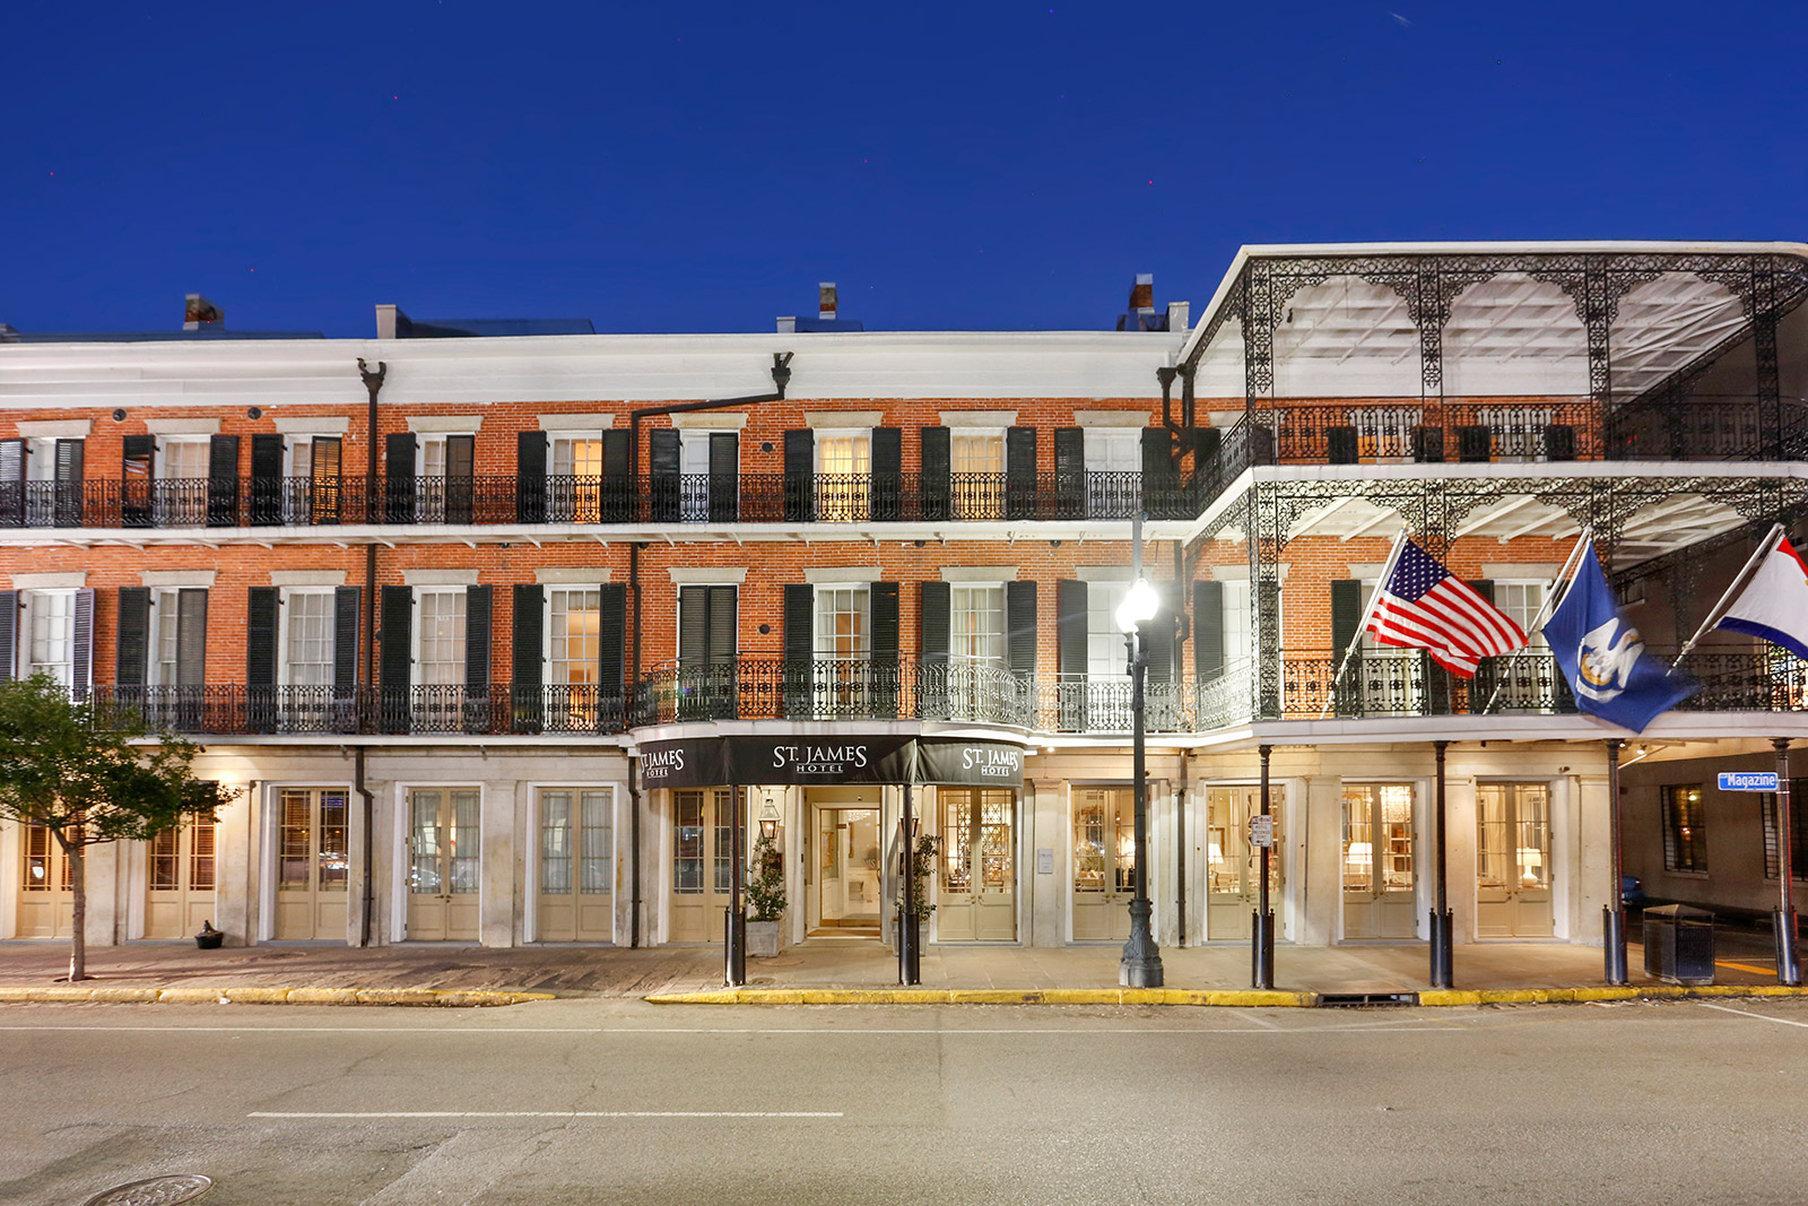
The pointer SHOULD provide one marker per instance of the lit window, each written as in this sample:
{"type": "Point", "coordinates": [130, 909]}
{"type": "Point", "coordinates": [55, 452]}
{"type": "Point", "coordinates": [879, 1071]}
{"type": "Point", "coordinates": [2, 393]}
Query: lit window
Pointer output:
{"type": "Point", "coordinates": [1685, 829]}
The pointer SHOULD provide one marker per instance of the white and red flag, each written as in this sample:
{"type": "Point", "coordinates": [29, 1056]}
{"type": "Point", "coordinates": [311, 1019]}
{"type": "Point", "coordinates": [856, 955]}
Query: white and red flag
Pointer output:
{"type": "Point", "coordinates": [1774, 603]}
{"type": "Point", "coordinates": [1421, 605]}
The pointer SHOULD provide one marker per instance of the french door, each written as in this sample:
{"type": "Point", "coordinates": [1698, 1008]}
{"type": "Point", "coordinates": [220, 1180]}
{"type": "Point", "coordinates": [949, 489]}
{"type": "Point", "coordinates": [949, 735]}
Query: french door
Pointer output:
{"type": "Point", "coordinates": [1513, 860]}
{"type": "Point", "coordinates": [848, 859]}
{"type": "Point", "coordinates": [1233, 867]}
{"type": "Point", "coordinates": [1104, 862]}
{"type": "Point", "coordinates": [1379, 873]}
{"type": "Point", "coordinates": [179, 880]}
{"type": "Point", "coordinates": [443, 851]}
{"type": "Point", "coordinates": [977, 896]}
{"type": "Point", "coordinates": [702, 863]}
{"type": "Point", "coordinates": [46, 898]}
{"type": "Point", "coordinates": [577, 865]}
{"type": "Point", "coordinates": [313, 866]}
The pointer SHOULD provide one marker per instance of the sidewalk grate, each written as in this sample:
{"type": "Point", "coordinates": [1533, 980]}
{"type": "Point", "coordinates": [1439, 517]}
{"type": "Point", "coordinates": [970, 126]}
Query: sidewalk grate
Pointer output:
{"type": "Point", "coordinates": [1364, 1000]}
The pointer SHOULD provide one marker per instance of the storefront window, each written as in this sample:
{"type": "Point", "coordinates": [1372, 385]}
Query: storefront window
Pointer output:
{"type": "Point", "coordinates": [1685, 829]}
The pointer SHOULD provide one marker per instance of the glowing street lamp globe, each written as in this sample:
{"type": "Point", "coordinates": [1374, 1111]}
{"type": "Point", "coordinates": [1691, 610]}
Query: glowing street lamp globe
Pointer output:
{"type": "Point", "coordinates": [1140, 604]}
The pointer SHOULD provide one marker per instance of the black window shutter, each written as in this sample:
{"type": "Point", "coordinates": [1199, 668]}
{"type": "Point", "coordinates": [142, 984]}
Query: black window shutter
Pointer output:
{"type": "Point", "coordinates": [527, 654]}
{"type": "Point", "coordinates": [884, 602]}
{"type": "Point", "coordinates": [132, 636]}
{"type": "Point", "coordinates": [937, 474]}
{"type": "Point", "coordinates": [478, 602]}
{"type": "Point", "coordinates": [1346, 614]}
{"type": "Point", "coordinates": [530, 477]}
{"type": "Point", "coordinates": [69, 483]}
{"type": "Point", "coordinates": [9, 635]}
{"type": "Point", "coordinates": [137, 470]}
{"type": "Point", "coordinates": [260, 637]}
{"type": "Point", "coordinates": [395, 658]}
{"type": "Point", "coordinates": [800, 619]}
{"type": "Point", "coordinates": [12, 483]}
{"type": "Point", "coordinates": [800, 475]}
{"type": "Point", "coordinates": [81, 656]}
{"type": "Point", "coordinates": [612, 662]}
{"type": "Point", "coordinates": [223, 481]}
{"type": "Point", "coordinates": [266, 479]}
{"type": "Point", "coordinates": [1208, 630]}
{"type": "Point", "coordinates": [1070, 628]}
{"type": "Point", "coordinates": [461, 474]}
{"type": "Point", "coordinates": [721, 624]}
{"type": "Point", "coordinates": [191, 637]}
{"type": "Point", "coordinates": [1559, 442]}
{"type": "Point", "coordinates": [345, 637]}
{"type": "Point", "coordinates": [693, 626]}
{"type": "Point", "coordinates": [1483, 587]}
{"type": "Point", "coordinates": [618, 477]}
{"type": "Point", "coordinates": [1020, 472]}
{"type": "Point", "coordinates": [1070, 472]}
{"type": "Point", "coordinates": [724, 476]}
{"type": "Point", "coordinates": [398, 470]}
{"type": "Point", "coordinates": [933, 623]}
{"type": "Point", "coordinates": [1474, 444]}
{"type": "Point", "coordinates": [888, 474]}
{"type": "Point", "coordinates": [1158, 641]}
{"type": "Point", "coordinates": [1020, 627]}
{"type": "Point", "coordinates": [662, 465]}
{"type": "Point", "coordinates": [1158, 469]}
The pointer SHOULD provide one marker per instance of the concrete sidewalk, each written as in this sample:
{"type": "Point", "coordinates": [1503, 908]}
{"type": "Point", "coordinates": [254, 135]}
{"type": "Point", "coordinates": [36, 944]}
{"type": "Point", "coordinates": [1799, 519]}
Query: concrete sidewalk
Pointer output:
{"type": "Point", "coordinates": [823, 963]}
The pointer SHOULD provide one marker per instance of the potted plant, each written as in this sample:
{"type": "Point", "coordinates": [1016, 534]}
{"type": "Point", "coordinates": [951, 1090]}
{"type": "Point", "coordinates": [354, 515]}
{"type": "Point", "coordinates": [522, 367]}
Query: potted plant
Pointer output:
{"type": "Point", "coordinates": [922, 865]}
{"type": "Point", "coordinates": [766, 898]}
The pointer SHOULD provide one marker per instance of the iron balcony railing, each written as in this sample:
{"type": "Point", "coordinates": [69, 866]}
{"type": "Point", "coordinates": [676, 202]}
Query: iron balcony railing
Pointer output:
{"type": "Point", "coordinates": [687, 498]}
{"type": "Point", "coordinates": [1303, 686]}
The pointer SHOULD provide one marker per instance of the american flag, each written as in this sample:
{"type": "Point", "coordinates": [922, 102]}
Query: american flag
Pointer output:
{"type": "Point", "coordinates": [1421, 606]}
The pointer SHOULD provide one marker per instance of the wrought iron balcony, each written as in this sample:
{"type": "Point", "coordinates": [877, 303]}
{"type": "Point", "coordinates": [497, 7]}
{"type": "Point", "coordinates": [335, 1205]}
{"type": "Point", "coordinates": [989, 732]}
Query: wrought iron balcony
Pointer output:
{"type": "Point", "coordinates": [563, 499]}
{"type": "Point", "coordinates": [764, 688]}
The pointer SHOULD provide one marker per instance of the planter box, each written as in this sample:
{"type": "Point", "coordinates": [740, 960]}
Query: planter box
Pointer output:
{"type": "Point", "coordinates": [765, 938]}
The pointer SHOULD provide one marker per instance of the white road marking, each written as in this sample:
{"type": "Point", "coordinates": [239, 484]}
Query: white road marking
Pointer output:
{"type": "Point", "coordinates": [1746, 1013]}
{"type": "Point", "coordinates": [813, 1032]}
{"type": "Point", "coordinates": [304, 1114]}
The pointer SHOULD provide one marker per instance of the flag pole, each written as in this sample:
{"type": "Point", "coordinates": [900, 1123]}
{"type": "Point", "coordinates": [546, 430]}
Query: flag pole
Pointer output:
{"type": "Point", "coordinates": [1387, 572]}
{"type": "Point", "coordinates": [1719, 609]}
{"type": "Point", "coordinates": [1549, 605]}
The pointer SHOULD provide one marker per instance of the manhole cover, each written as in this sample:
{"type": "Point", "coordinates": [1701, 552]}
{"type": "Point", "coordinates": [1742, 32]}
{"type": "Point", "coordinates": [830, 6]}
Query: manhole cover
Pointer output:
{"type": "Point", "coordinates": [155, 1191]}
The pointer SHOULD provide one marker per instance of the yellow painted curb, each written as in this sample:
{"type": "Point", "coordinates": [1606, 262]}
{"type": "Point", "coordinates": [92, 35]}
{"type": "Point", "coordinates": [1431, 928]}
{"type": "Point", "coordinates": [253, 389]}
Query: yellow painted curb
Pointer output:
{"type": "Point", "coordinates": [258, 995]}
{"type": "Point", "coordinates": [1643, 992]}
{"type": "Point", "coordinates": [988, 996]}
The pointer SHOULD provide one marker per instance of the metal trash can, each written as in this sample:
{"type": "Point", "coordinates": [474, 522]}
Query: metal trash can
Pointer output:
{"type": "Point", "coordinates": [1679, 944]}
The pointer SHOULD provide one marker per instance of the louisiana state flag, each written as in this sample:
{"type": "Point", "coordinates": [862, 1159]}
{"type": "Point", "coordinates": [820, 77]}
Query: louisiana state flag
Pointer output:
{"type": "Point", "coordinates": [1603, 658]}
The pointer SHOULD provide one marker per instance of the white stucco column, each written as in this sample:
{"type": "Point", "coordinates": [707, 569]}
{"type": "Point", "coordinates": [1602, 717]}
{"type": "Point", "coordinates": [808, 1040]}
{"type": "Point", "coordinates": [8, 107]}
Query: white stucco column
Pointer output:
{"type": "Point", "coordinates": [234, 885]}
{"type": "Point", "coordinates": [1589, 861]}
{"type": "Point", "coordinates": [103, 888]}
{"type": "Point", "coordinates": [496, 916]}
{"type": "Point", "coordinates": [1045, 878]}
{"type": "Point", "coordinates": [1322, 847]}
{"type": "Point", "coordinates": [1459, 852]}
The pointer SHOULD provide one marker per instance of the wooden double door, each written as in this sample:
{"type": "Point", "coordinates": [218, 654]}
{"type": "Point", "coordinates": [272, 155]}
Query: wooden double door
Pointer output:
{"type": "Point", "coordinates": [313, 862]}
{"type": "Point", "coordinates": [1233, 875]}
{"type": "Point", "coordinates": [179, 880]}
{"type": "Point", "coordinates": [1104, 862]}
{"type": "Point", "coordinates": [976, 896]}
{"type": "Point", "coordinates": [577, 865]}
{"type": "Point", "coordinates": [1380, 873]}
{"type": "Point", "coordinates": [46, 898]}
{"type": "Point", "coordinates": [445, 861]}
{"type": "Point", "coordinates": [702, 863]}
{"type": "Point", "coordinates": [1513, 860]}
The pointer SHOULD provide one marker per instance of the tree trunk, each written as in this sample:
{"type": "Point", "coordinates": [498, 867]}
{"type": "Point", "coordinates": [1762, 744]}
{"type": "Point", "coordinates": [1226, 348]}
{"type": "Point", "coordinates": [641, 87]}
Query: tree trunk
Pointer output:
{"type": "Point", "coordinates": [78, 931]}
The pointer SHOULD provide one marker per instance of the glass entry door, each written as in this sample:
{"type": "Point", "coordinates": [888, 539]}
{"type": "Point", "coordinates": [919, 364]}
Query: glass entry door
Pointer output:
{"type": "Point", "coordinates": [1513, 860]}
{"type": "Point", "coordinates": [1233, 867]}
{"type": "Point", "coordinates": [1378, 861]}
{"type": "Point", "coordinates": [976, 899]}
{"type": "Point", "coordinates": [1104, 866]}
{"type": "Point", "coordinates": [179, 879]}
{"type": "Point", "coordinates": [577, 866]}
{"type": "Point", "coordinates": [847, 860]}
{"type": "Point", "coordinates": [312, 864]}
{"type": "Point", "coordinates": [46, 901]}
{"type": "Point", "coordinates": [443, 864]}
{"type": "Point", "coordinates": [702, 863]}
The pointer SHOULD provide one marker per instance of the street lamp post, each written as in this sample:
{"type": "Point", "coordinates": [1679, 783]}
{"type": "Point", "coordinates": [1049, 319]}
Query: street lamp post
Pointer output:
{"type": "Point", "coordinates": [1141, 964]}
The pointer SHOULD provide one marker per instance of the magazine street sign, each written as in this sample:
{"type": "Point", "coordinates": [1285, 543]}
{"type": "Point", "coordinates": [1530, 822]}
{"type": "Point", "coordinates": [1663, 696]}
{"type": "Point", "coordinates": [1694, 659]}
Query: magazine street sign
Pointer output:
{"type": "Point", "coordinates": [1748, 780]}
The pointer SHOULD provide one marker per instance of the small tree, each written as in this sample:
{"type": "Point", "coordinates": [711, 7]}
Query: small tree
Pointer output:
{"type": "Point", "coordinates": [766, 888]}
{"type": "Point", "coordinates": [84, 778]}
{"type": "Point", "coordinates": [922, 866]}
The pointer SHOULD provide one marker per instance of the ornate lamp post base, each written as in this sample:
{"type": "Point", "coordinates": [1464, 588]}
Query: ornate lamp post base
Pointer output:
{"type": "Point", "coordinates": [1141, 964]}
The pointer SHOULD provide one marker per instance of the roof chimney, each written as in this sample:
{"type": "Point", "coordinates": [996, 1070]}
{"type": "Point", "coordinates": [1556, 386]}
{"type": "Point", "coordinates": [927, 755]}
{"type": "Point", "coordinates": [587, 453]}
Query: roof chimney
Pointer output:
{"type": "Point", "coordinates": [825, 301]}
{"type": "Point", "coordinates": [1142, 294]}
{"type": "Point", "coordinates": [200, 314]}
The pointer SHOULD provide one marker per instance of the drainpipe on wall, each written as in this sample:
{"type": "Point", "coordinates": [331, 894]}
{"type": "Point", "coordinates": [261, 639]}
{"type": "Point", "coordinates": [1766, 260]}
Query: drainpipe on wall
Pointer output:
{"type": "Point", "coordinates": [370, 862]}
{"type": "Point", "coordinates": [634, 851]}
{"type": "Point", "coordinates": [1180, 844]}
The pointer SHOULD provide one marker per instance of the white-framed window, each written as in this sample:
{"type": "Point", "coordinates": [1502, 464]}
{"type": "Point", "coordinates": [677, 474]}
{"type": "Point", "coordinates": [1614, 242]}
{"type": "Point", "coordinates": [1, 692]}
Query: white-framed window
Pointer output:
{"type": "Point", "coordinates": [49, 644]}
{"type": "Point", "coordinates": [693, 468]}
{"type": "Point", "coordinates": [165, 637]}
{"type": "Point", "coordinates": [1114, 450]}
{"type": "Point", "coordinates": [844, 453]}
{"type": "Point", "coordinates": [181, 458]}
{"type": "Point", "coordinates": [1107, 658]}
{"type": "Point", "coordinates": [1239, 625]}
{"type": "Point", "coordinates": [573, 635]}
{"type": "Point", "coordinates": [439, 637]}
{"type": "Point", "coordinates": [843, 627]}
{"type": "Point", "coordinates": [844, 461]}
{"type": "Point", "coordinates": [577, 456]}
{"type": "Point", "coordinates": [40, 459]}
{"type": "Point", "coordinates": [577, 843]}
{"type": "Point", "coordinates": [307, 637]}
{"type": "Point", "coordinates": [976, 625]}
{"type": "Point", "coordinates": [976, 456]}
{"type": "Point", "coordinates": [1521, 600]}
{"type": "Point", "coordinates": [313, 457]}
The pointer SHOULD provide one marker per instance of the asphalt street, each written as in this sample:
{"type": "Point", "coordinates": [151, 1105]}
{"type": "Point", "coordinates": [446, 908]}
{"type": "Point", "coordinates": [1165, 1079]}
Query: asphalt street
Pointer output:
{"type": "Point", "coordinates": [583, 1100]}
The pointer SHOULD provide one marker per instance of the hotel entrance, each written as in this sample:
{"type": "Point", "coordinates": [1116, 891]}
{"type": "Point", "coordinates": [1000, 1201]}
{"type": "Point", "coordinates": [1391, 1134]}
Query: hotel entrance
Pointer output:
{"type": "Point", "coordinates": [1513, 860]}
{"type": "Point", "coordinates": [847, 857]}
{"type": "Point", "coordinates": [1233, 866]}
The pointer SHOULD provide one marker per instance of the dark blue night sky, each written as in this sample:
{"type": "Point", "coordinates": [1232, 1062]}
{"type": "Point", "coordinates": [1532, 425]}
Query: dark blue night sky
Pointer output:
{"type": "Point", "coordinates": [699, 166]}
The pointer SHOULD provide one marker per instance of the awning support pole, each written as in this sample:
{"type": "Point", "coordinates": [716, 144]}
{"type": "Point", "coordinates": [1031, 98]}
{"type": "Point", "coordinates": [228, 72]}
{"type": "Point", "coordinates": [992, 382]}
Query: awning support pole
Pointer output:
{"type": "Point", "coordinates": [1442, 941]}
{"type": "Point", "coordinates": [734, 920]}
{"type": "Point", "coordinates": [910, 960]}
{"type": "Point", "coordinates": [1613, 927]}
{"type": "Point", "coordinates": [1789, 970]}
{"type": "Point", "coordinates": [1261, 932]}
